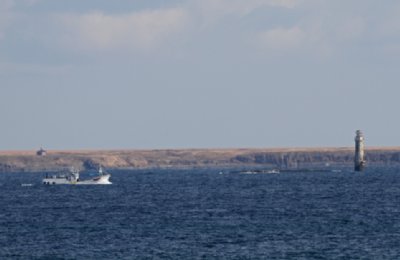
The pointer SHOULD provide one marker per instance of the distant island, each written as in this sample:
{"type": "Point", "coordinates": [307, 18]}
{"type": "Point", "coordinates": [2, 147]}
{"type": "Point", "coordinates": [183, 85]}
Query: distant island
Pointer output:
{"type": "Point", "coordinates": [281, 158]}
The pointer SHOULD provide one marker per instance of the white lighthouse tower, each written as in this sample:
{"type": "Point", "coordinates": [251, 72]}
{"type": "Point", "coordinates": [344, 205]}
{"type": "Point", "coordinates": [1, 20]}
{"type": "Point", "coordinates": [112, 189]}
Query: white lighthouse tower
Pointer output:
{"type": "Point", "coordinates": [359, 162]}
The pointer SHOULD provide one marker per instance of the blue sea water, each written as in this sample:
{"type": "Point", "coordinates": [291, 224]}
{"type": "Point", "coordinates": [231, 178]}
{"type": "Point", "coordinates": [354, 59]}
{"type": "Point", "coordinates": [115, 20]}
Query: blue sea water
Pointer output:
{"type": "Point", "coordinates": [203, 214]}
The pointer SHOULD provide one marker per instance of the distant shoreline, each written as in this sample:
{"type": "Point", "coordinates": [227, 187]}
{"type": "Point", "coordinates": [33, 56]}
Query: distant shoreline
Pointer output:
{"type": "Point", "coordinates": [283, 158]}
{"type": "Point", "coordinates": [270, 149]}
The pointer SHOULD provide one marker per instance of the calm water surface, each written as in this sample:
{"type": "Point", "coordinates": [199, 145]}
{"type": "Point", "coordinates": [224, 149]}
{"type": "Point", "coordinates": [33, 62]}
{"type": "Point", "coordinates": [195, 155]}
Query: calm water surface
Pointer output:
{"type": "Point", "coordinates": [202, 214]}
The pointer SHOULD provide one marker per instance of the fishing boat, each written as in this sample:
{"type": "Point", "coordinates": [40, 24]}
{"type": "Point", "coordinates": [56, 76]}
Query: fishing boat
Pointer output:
{"type": "Point", "coordinates": [71, 176]}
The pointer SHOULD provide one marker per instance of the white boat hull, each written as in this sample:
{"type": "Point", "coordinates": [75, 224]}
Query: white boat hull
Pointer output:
{"type": "Point", "coordinates": [100, 180]}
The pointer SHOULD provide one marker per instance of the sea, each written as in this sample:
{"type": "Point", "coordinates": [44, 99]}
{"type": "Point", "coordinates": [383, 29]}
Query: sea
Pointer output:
{"type": "Point", "coordinates": [204, 214]}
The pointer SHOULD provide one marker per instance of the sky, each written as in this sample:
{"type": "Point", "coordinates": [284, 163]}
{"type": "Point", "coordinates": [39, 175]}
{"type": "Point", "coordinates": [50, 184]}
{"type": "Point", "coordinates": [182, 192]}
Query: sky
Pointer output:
{"type": "Point", "coordinates": [139, 74]}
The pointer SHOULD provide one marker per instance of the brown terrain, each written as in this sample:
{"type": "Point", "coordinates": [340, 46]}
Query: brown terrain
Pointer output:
{"type": "Point", "coordinates": [282, 158]}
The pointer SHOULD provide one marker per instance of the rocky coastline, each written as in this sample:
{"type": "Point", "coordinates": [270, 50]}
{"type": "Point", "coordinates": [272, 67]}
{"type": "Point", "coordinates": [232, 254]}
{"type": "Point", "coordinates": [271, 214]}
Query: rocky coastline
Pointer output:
{"type": "Point", "coordinates": [281, 158]}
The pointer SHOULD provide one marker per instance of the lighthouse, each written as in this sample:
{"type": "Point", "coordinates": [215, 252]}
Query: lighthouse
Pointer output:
{"type": "Point", "coordinates": [359, 162]}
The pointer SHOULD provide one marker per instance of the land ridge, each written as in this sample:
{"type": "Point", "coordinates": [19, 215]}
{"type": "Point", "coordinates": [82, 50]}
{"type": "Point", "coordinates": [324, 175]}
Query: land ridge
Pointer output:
{"type": "Point", "coordinates": [282, 158]}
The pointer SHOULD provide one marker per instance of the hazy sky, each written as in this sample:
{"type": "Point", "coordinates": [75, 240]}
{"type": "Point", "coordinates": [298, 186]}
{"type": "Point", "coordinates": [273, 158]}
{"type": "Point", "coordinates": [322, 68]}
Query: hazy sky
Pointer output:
{"type": "Point", "coordinates": [198, 73]}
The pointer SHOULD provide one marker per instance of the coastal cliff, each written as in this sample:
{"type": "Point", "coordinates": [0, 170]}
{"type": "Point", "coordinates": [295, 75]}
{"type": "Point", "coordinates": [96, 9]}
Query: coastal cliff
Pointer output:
{"type": "Point", "coordinates": [285, 158]}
